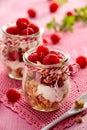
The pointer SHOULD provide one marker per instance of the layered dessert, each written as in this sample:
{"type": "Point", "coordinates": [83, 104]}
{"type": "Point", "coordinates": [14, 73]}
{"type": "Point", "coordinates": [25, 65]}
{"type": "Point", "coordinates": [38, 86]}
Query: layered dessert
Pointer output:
{"type": "Point", "coordinates": [17, 38]}
{"type": "Point", "coordinates": [45, 82]}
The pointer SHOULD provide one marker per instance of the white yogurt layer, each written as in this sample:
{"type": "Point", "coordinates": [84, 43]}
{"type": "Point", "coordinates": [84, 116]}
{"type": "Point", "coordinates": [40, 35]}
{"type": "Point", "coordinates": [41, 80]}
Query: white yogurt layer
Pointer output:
{"type": "Point", "coordinates": [54, 94]}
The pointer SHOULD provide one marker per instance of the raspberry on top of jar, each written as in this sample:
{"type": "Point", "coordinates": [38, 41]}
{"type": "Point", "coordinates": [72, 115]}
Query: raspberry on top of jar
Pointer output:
{"type": "Point", "coordinates": [22, 27]}
{"type": "Point", "coordinates": [45, 56]}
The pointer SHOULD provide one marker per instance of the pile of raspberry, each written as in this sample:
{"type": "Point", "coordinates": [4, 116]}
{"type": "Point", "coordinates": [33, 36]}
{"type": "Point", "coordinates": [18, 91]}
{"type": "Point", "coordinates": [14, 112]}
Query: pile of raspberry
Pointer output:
{"type": "Point", "coordinates": [23, 27]}
{"type": "Point", "coordinates": [45, 56]}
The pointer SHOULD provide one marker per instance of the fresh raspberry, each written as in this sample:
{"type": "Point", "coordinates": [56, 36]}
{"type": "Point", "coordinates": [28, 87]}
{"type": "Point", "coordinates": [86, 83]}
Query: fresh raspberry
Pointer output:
{"type": "Point", "coordinates": [45, 42]}
{"type": "Point", "coordinates": [12, 30]}
{"type": "Point", "coordinates": [27, 31]}
{"type": "Point", "coordinates": [42, 51]}
{"type": "Point", "coordinates": [22, 23]}
{"type": "Point", "coordinates": [34, 27]}
{"type": "Point", "coordinates": [50, 59]}
{"type": "Point", "coordinates": [13, 55]}
{"type": "Point", "coordinates": [55, 38]}
{"type": "Point", "coordinates": [82, 61]}
{"type": "Point", "coordinates": [32, 13]}
{"type": "Point", "coordinates": [13, 95]}
{"type": "Point", "coordinates": [33, 57]}
{"type": "Point", "coordinates": [69, 13]}
{"type": "Point", "coordinates": [53, 7]}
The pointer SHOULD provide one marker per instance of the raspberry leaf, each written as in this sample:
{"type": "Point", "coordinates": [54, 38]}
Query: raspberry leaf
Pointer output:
{"type": "Point", "coordinates": [52, 24]}
{"type": "Point", "coordinates": [67, 24]}
{"type": "Point", "coordinates": [61, 1]}
{"type": "Point", "coordinates": [81, 14]}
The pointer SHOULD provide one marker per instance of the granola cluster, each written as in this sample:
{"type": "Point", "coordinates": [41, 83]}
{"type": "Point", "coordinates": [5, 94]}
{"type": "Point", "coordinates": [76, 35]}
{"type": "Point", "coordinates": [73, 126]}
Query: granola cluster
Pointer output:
{"type": "Point", "coordinates": [79, 104]}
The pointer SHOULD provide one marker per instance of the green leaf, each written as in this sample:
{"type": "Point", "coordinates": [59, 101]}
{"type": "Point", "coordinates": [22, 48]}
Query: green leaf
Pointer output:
{"type": "Point", "coordinates": [49, 25]}
{"type": "Point", "coordinates": [67, 23]}
{"type": "Point", "coordinates": [53, 24]}
{"type": "Point", "coordinates": [81, 14]}
{"type": "Point", "coordinates": [61, 1]}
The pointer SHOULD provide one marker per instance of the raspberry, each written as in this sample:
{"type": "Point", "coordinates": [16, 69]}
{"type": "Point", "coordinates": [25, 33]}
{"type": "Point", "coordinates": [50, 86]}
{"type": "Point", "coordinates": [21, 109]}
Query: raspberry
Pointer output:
{"type": "Point", "coordinates": [34, 27]}
{"type": "Point", "coordinates": [27, 31]}
{"type": "Point", "coordinates": [55, 38]}
{"type": "Point", "coordinates": [22, 23]}
{"type": "Point", "coordinates": [53, 7]}
{"type": "Point", "coordinates": [32, 13]}
{"type": "Point", "coordinates": [69, 13]}
{"type": "Point", "coordinates": [13, 95]}
{"type": "Point", "coordinates": [42, 51]}
{"type": "Point", "coordinates": [12, 30]}
{"type": "Point", "coordinates": [82, 61]}
{"type": "Point", "coordinates": [50, 59]}
{"type": "Point", "coordinates": [45, 42]}
{"type": "Point", "coordinates": [33, 57]}
{"type": "Point", "coordinates": [13, 55]}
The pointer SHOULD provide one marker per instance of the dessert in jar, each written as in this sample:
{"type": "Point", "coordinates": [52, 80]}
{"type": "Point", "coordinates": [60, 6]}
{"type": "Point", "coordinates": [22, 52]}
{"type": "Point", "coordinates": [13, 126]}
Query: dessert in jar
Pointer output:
{"type": "Point", "coordinates": [17, 38]}
{"type": "Point", "coordinates": [45, 81]}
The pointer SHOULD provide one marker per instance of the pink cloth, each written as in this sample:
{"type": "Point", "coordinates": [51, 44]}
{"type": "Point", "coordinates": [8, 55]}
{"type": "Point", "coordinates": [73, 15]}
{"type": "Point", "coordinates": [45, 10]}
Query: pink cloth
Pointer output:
{"type": "Point", "coordinates": [74, 43]}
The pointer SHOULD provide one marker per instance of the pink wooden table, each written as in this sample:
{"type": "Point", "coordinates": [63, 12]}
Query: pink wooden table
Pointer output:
{"type": "Point", "coordinates": [75, 43]}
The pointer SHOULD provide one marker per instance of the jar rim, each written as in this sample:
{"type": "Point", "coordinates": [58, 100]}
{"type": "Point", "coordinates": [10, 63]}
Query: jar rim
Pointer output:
{"type": "Point", "coordinates": [65, 60]}
{"type": "Point", "coordinates": [3, 30]}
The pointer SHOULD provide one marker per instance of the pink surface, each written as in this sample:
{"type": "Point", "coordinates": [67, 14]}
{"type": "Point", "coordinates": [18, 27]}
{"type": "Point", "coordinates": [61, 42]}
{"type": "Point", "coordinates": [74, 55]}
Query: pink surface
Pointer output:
{"type": "Point", "coordinates": [11, 121]}
{"type": "Point", "coordinates": [75, 43]}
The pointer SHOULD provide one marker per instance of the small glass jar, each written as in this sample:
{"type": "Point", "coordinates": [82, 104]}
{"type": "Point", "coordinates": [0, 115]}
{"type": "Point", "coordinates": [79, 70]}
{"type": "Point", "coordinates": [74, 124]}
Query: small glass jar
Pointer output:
{"type": "Point", "coordinates": [13, 48]}
{"type": "Point", "coordinates": [46, 86]}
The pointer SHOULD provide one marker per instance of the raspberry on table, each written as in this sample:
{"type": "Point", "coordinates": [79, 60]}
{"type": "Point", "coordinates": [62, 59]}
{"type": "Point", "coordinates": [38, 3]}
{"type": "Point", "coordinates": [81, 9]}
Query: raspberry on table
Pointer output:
{"type": "Point", "coordinates": [53, 7]}
{"type": "Point", "coordinates": [22, 23]}
{"type": "Point", "coordinates": [55, 38]}
{"type": "Point", "coordinates": [13, 95]}
{"type": "Point", "coordinates": [32, 13]}
{"type": "Point", "coordinates": [82, 61]}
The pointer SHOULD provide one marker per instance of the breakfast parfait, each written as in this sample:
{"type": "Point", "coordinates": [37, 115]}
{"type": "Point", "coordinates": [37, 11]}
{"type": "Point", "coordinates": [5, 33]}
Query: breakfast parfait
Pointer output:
{"type": "Point", "coordinates": [17, 38]}
{"type": "Point", "coordinates": [45, 80]}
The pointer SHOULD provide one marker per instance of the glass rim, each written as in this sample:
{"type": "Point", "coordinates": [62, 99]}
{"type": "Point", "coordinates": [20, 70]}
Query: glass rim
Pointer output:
{"type": "Point", "coordinates": [3, 30]}
{"type": "Point", "coordinates": [62, 63]}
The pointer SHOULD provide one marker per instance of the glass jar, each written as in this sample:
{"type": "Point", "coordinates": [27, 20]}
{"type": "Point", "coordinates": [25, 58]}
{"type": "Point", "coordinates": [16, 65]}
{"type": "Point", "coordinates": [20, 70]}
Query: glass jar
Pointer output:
{"type": "Point", "coordinates": [13, 48]}
{"type": "Point", "coordinates": [46, 86]}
